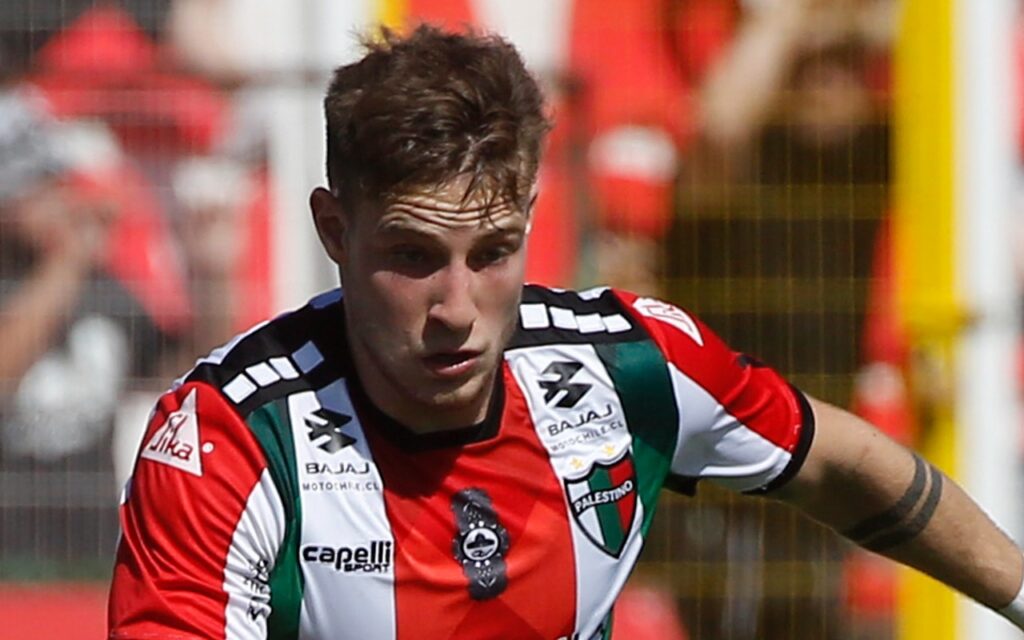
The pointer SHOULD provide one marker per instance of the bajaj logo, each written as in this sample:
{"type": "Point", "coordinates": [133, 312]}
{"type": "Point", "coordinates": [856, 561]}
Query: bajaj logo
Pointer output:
{"type": "Point", "coordinates": [324, 423]}
{"type": "Point", "coordinates": [558, 384]}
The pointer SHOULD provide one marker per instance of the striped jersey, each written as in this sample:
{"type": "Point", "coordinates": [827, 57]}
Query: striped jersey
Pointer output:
{"type": "Point", "coordinates": [271, 499]}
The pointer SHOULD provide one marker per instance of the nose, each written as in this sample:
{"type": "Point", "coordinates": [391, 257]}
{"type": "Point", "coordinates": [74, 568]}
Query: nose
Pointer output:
{"type": "Point", "coordinates": [453, 304]}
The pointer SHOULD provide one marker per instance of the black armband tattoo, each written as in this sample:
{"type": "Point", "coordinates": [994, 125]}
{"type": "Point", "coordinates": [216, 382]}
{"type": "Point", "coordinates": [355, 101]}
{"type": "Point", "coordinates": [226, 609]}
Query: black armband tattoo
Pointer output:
{"type": "Point", "coordinates": [905, 519]}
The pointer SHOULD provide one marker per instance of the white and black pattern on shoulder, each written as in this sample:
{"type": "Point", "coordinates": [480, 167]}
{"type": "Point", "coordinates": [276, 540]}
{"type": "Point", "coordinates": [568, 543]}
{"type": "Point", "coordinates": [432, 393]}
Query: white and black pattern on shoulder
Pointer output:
{"type": "Point", "coordinates": [301, 349]}
{"type": "Point", "coordinates": [557, 316]}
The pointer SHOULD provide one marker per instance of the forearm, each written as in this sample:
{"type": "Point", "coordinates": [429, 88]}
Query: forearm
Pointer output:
{"type": "Point", "coordinates": [892, 501]}
{"type": "Point", "coordinates": [32, 316]}
{"type": "Point", "coordinates": [946, 535]}
{"type": "Point", "coordinates": [215, 311]}
{"type": "Point", "coordinates": [743, 87]}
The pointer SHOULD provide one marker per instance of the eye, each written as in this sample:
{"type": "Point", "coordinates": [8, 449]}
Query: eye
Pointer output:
{"type": "Point", "coordinates": [412, 259]}
{"type": "Point", "coordinates": [493, 254]}
{"type": "Point", "coordinates": [409, 255]}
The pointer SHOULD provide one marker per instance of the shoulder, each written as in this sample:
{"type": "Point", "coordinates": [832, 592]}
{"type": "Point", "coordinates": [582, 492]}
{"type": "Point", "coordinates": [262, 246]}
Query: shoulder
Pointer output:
{"type": "Point", "coordinates": [601, 314]}
{"type": "Point", "coordinates": [209, 424]}
{"type": "Point", "coordinates": [560, 316]}
{"type": "Point", "coordinates": [298, 350]}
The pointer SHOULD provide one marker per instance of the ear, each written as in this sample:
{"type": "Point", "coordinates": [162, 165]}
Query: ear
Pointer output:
{"type": "Point", "coordinates": [331, 223]}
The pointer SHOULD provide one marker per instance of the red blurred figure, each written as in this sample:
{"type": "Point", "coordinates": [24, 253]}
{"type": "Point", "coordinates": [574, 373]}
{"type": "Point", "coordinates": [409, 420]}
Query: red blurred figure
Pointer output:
{"type": "Point", "coordinates": [645, 612]}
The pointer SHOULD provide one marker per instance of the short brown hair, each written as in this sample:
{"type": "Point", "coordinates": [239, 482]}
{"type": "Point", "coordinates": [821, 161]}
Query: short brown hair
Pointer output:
{"type": "Point", "coordinates": [426, 108]}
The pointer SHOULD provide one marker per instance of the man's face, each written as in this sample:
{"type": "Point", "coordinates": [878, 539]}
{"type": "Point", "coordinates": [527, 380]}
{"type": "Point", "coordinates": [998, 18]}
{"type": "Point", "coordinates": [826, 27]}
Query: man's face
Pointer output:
{"type": "Point", "coordinates": [432, 287]}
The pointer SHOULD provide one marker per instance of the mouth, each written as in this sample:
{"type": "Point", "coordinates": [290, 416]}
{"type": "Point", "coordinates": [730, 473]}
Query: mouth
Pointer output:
{"type": "Point", "coordinates": [452, 364]}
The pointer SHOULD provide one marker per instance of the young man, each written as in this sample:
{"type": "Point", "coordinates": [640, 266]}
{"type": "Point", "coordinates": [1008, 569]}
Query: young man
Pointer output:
{"type": "Point", "coordinates": [440, 451]}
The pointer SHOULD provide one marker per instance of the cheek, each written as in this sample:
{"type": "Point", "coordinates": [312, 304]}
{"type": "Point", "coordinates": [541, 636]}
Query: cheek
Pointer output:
{"type": "Point", "coordinates": [501, 293]}
{"type": "Point", "coordinates": [397, 301]}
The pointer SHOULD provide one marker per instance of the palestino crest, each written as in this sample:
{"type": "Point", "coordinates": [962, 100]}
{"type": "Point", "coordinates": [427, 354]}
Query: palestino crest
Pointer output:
{"type": "Point", "coordinates": [603, 502]}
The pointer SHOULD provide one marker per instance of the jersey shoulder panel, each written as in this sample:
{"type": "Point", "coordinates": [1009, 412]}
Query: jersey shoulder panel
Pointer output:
{"type": "Point", "coordinates": [298, 350]}
{"type": "Point", "coordinates": [558, 316]}
{"type": "Point", "coordinates": [729, 402]}
{"type": "Point", "coordinates": [200, 522]}
{"type": "Point", "coordinates": [683, 338]}
{"type": "Point", "coordinates": [698, 353]}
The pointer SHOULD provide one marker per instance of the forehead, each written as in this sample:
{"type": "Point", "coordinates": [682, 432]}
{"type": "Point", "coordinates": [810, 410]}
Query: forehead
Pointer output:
{"type": "Point", "coordinates": [447, 207]}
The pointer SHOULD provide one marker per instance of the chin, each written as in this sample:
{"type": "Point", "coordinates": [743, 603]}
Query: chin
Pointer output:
{"type": "Point", "coordinates": [455, 399]}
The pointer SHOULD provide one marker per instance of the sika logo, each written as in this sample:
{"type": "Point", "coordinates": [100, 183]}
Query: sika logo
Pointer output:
{"type": "Point", "coordinates": [169, 444]}
{"type": "Point", "coordinates": [561, 385]}
{"type": "Point", "coordinates": [669, 314]}
{"type": "Point", "coordinates": [176, 442]}
{"type": "Point", "coordinates": [369, 558]}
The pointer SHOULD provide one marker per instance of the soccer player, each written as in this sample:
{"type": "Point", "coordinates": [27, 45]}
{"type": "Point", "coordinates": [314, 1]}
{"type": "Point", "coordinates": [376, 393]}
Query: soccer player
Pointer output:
{"type": "Point", "coordinates": [435, 450]}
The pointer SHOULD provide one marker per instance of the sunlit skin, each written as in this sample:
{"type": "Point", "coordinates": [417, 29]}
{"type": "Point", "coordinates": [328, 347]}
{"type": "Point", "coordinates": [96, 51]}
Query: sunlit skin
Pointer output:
{"type": "Point", "coordinates": [432, 287]}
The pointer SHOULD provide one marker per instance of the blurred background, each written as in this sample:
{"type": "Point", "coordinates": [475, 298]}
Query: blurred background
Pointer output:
{"type": "Point", "coordinates": [833, 185]}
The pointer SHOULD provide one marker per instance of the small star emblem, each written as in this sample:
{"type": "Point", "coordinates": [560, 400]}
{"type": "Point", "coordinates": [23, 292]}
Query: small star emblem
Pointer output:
{"type": "Point", "coordinates": [608, 449]}
{"type": "Point", "coordinates": [576, 463]}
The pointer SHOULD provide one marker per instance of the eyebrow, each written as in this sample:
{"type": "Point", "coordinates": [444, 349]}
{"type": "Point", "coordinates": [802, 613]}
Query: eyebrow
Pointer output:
{"type": "Point", "coordinates": [506, 225]}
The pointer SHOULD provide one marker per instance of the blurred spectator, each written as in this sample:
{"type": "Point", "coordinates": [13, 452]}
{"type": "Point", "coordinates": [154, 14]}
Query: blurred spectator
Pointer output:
{"type": "Point", "coordinates": [104, 67]}
{"type": "Point", "coordinates": [101, 161]}
{"type": "Point", "coordinates": [646, 612]}
{"type": "Point", "coordinates": [799, 102]}
{"type": "Point", "coordinates": [223, 226]}
{"type": "Point", "coordinates": [803, 82]}
{"type": "Point", "coordinates": [26, 25]}
{"type": "Point", "coordinates": [71, 340]}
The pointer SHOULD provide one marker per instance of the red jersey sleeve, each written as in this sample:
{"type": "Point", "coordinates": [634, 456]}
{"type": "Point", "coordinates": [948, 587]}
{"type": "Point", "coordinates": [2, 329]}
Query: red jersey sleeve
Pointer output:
{"type": "Point", "coordinates": [740, 423]}
{"type": "Point", "coordinates": [201, 525]}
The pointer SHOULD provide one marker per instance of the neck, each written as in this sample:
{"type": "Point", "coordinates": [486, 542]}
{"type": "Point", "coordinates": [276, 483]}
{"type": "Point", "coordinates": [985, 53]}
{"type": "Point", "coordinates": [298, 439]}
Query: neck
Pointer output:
{"type": "Point", "coordinates": [418, 415]}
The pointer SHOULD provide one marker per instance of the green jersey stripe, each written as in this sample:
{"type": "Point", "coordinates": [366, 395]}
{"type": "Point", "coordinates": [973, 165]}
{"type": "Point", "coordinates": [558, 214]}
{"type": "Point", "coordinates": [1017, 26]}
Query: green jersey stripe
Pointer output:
{"type": "Point", "coordinates": [640, 375]}
{"type": "Point", "coordinates": [271, 426]}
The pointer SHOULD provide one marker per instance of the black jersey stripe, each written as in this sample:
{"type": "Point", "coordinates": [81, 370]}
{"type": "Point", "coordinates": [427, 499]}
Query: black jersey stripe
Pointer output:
{"type": "Point", "coordinates": [322, 326]}
{"type": "Point", "coordinates": [551, 316]}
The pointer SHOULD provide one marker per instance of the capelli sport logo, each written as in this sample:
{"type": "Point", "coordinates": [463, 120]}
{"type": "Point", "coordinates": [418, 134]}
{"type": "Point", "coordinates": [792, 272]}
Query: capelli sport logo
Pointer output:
{"type": "Point", "coordinates": [374, 557]}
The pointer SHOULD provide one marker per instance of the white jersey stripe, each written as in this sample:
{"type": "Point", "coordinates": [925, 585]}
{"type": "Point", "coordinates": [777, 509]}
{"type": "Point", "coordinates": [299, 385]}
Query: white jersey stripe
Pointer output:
{"type": "Point", "coordinates": [729, 454]}
{"type": "Point", "coordinates": [217, 356]}
{"type": "Point", "coordinates": [250, 560]}
{"type": "Point", "coordinates": [346, 545]}
{"type": "Point", "coordinates": [592, 430]}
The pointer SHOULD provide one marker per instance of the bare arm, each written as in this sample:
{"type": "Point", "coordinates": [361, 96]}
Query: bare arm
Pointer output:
{"type": "Point", "coordinates": [744, 86]}
{"type": "Point", "coordinates": [890, 500]}
{"type": "Point", "coordinates": [68, 241]}
{"type": "Point", "coordinates": [213, 238]}
{"type": "Point", "coordinates": [31, 318]}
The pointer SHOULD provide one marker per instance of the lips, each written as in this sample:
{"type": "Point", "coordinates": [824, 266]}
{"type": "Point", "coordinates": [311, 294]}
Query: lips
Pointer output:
{"type": "Point", "coordinates": [451, 364]}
